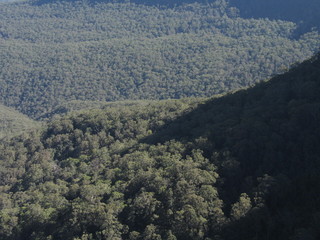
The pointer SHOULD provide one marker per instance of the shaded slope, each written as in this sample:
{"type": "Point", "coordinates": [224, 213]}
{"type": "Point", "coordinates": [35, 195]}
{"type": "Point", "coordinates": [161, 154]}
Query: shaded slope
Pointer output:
{"type": "Point", "coordinates": [271, 102]}
{"type": "Point", "coordinates": [243, 166]}
{"type": "Point", "coordinates": [268, 139]}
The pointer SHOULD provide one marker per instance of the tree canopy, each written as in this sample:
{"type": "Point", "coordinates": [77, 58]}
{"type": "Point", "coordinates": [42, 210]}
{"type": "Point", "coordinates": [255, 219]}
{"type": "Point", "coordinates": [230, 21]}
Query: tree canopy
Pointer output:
{"type": "Point", "coordinates": [13, 122]}
{"type": "Point", "coordinates": [61, 51]}
{"type": "Point", "coordinates": [242, 166]}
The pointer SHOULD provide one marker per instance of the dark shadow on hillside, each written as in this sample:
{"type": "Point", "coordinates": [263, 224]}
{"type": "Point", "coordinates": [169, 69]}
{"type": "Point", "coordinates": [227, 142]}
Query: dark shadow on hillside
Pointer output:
{"type": "Point", "coordinates": [272, 128]}
{"type": "Point", "coordinates": [259, 108]}
{"type": "Point", "coordinates": [290, 210]}
{"type": "Point", "coordinates": [272, 131]}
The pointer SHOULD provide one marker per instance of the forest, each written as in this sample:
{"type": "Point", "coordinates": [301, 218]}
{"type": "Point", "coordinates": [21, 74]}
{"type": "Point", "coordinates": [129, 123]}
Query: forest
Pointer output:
{"type": "Point", "coordinates": [12, 122]}
{"type": "Point", "coordinates": [54, 52]}
{"type": "Point", "coordinates": [159, 120]}
{"type": "Point", "coordinates": [304, 13]}
{"type": "Point", "coordinates": [241, 166]}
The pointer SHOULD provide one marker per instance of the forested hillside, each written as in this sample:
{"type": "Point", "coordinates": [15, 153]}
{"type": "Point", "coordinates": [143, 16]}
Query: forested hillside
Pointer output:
{"type": "Point", "coordinates": [53, 52]}
{"type": "Point", "coordinates": [243, 166]}
{"type": "Point", "coordinates": [303, 12]}
{"type": "Point", "coordinates": [13, 122]}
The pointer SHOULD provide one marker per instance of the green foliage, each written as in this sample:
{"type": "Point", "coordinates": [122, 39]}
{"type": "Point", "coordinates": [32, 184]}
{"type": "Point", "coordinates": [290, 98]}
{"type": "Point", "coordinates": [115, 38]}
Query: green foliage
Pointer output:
{"type": "Point", "coordinates": [243, 166]}
{"type": "Point", "coordinates": [240, 208]}
{"type": "Point", "coordinates": [62, 51]}
{"type": "Point", "coordinates": [13, 122]}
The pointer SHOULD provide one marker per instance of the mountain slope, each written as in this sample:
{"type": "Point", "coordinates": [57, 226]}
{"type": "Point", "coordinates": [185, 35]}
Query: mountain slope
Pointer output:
{"type": "Point", "coordinates": [13, 122]}
{"type": "Point", "coordinates": [303, 12]}
{"type": "Point", "coordinates": [61, 51]}
{"type": "Point", "coordinates": [243, 166]}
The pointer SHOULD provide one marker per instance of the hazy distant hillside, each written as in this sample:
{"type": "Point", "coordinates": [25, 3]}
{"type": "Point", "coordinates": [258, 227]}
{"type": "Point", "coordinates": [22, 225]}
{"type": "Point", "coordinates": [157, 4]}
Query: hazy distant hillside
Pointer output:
{"type": "Point", "coordinates": [13, 122]}
{"type": "Point", "coordinates": [7, 1]}
{"type": "Point", "coordinates": [241, 167]}
{"type": "Point", "coordinates": [303, 12]}
{"type": "Point", "coordinates": [63, 51]}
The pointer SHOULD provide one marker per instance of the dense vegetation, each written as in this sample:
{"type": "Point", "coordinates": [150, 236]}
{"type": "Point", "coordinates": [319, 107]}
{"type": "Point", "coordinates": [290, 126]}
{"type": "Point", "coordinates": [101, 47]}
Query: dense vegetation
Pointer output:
{"type": "Point", "coordinates": [243, 166]}
{"type": "Point", "coordinates": [13, 122]}
{"type": "Point", "coordinates": [303, 12]}
{"type": "Point", "coordinates": [61, 51]}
